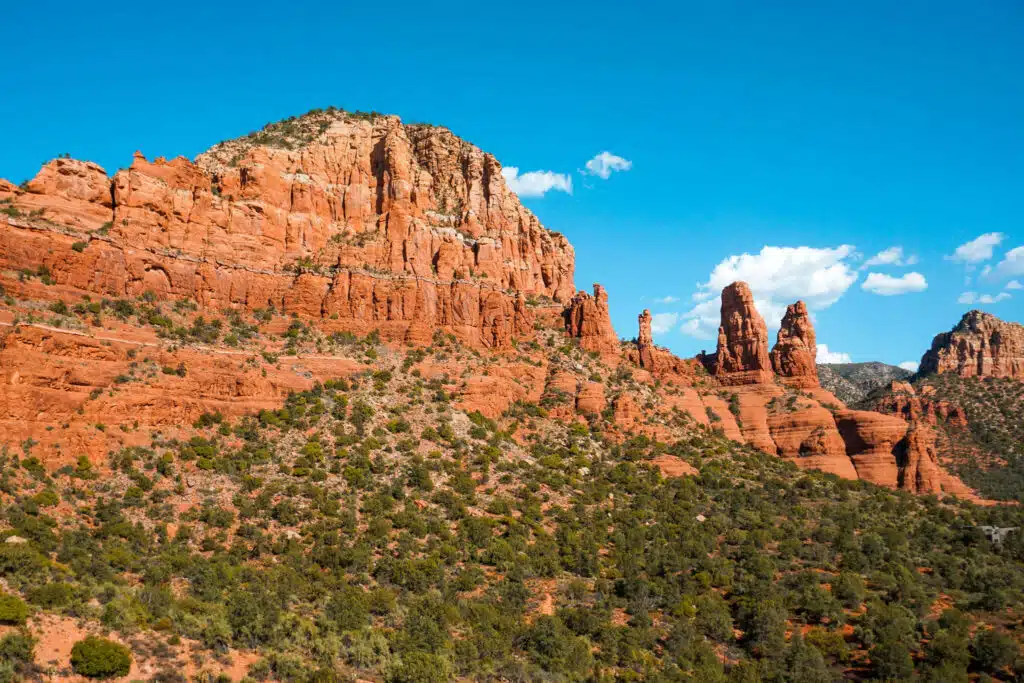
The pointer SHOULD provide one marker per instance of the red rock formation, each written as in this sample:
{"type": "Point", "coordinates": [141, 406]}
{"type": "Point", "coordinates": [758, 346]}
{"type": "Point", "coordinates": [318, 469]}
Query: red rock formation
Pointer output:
{"type": "Point", "coordinates": [742, 353]}
{"type": "Point", "coordinates": [871, 440]}
{"type": "Point", "coordinates": [591, 399]}
{"type": "Point", "coordinates": [811, 428]}
{"type": "Point", "coordinates": [368, 224]}
{"type": "Point", "coordinates": [65, 378]}
{"type": "Point", "coordinates": [645, 341]}
{"type": "Point", "coordinates": [659, 362]}
{"type": "Point", "coordinates": [587, 319]}
{"type": "Point", "coordinates": [72, 193]}
{"type": "Point", "coordinates": [919, 468]}
{"type": "Point", "coordinates": [981, 345]}
{"type": "Point", "coordinates": [627, 412]}
{"type": "Point", "coordinates": [904, 401]}
{"type": "Point", "coordinates": [793, 357]}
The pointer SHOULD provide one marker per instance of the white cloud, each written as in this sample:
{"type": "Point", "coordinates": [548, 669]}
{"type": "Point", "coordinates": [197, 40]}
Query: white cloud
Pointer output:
{"type": "Point", "coordinates": [826, 356]}
{"type": "Point", "coordinates": [778, 276]}
{"type": "Point", "coordinates": [910, 365]}
{"type": "Point", "coordinates": [667, 299]}
{"type": "Point", "coordinates": [606, 163]}
{"type": "Point", "coordinates": [887, 285]}
{"type": "Point", "coordinates": [977, 250]}
{"type": "Point", "coordinates": [700, 326]}
{"type": "Point", "coordinates": [1014, 284]}
{"type": "Point", "coordinates": [893, 256]}
{"type": "Point", "coordinates": [1012, 263]}
{"type": "Point", "coordinates": [663, 322]}
{"type": "Point", "coordinates": [970, 298]}
{"type": "Point", "coordinates": [536, 183]}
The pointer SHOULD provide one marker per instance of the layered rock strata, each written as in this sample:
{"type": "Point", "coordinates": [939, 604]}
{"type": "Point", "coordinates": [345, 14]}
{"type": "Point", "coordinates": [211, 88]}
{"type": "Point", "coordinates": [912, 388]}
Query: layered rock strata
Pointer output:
{"type": "Point", "coordinates": [364, 222]}
{"type": "Point", "coordinates": [981, 345]}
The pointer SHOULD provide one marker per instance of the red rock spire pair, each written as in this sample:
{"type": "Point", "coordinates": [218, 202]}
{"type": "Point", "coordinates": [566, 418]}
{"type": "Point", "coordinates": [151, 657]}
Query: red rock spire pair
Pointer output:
{"type": "Point", "coordinates": [742, 355]}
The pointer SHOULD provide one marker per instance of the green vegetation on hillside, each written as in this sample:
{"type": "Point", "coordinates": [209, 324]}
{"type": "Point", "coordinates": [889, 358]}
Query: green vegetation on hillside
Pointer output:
{"type": "Point", "coordinates": [367, 528]}
{"type": "Point", "coordinates": [989, 454]}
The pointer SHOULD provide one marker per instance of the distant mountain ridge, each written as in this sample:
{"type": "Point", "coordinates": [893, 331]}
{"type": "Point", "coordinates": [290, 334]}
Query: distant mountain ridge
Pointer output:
{"type": "Point", "coordinates": [852, 382]}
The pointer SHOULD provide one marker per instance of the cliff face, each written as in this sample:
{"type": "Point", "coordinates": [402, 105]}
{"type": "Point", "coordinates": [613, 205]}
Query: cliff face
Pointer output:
{"type": "Point", "coordinates": [364, 222]}
{"type": "Point", "coordinates": [796, 348]}
{"type": "Point", "coordinates": [900, 398]}
{"type": "Point", "coordinates": [981, 345]}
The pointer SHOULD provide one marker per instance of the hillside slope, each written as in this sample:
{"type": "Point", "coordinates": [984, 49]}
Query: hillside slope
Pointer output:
{"type": "Point", "coordinates": [374, 526]}
{"type": "Point", "coordinates": [980, 421]}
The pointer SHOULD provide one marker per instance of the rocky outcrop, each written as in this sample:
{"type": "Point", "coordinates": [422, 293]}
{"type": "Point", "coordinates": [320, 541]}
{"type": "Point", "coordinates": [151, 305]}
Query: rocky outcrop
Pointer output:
{"type": "Point", "coordinates": [903, 400]}
{"type": "Point", "coordinates": [587, 319]}
{"type": "Point", "coordinates": [591, 399]}
{"type": "Point", "coordinates": [795, 349]}
{"type": "Point", "coordinates": [919, 467]}
{"type": "Point", "coordinates": [645, 341]}
{"type": "Point", "coordinates": [798, 420]}
{"type": "Point", "coordinates": [981, 345]}
{"type": "Point", "coordinates": [742, 353]}
{"type": "Point", "coordinates": [871, 440]}
{"type": "Point", "coordinates": [660, 362]}
{"type": "Point", "coordinates": [363, 222]}
{"type": "Point", "coordinates": [68, 378]}
{"type": "Point", "coordinates": [72, 193]}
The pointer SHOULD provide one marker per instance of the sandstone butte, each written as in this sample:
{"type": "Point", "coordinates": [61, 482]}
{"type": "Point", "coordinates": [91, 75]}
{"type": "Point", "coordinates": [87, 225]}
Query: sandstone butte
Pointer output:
{"type": "Point", "coordinates": [981, 345]}
{"type": "Point", "coordinates": [363, 223]}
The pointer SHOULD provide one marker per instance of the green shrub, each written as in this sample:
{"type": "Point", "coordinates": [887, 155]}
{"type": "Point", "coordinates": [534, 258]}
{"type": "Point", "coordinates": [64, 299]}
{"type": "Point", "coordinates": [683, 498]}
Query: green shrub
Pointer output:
{"type": "Point", "coordinates": [100, 658]}
{"type": "Point", "coordinates": [56, 594]}
{"type": "Point", "coordinates": [994, 650]}
{"type": "Point", "coordinates": [13, 610]}
{"type": "Point", "coordinates": [420, 667]}
{"type": "Point", "coordinates": [17, 653]}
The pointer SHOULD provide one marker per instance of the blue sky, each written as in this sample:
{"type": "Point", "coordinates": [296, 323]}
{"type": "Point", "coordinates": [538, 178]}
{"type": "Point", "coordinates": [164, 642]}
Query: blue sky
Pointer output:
{"type": "Point", "coordinates": [841, 128]}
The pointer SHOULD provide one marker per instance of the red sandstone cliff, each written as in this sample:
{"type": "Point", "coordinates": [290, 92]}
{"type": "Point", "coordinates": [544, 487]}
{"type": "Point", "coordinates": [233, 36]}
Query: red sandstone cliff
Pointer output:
{"type": "Point", "coordinates": [364, 222]}
{"type": "Point", "coordinates": [903, 400]}
{"type": "Point", "coordinates": [981, 345]}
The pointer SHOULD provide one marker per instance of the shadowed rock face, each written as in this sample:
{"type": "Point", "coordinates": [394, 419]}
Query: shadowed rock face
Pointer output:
{"type": "Point", "coordinates": [366, 222]}
{"type": "Point", "coordinates": [796, 348]}
{"type": "Point", "coordinates": [981, 345]}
